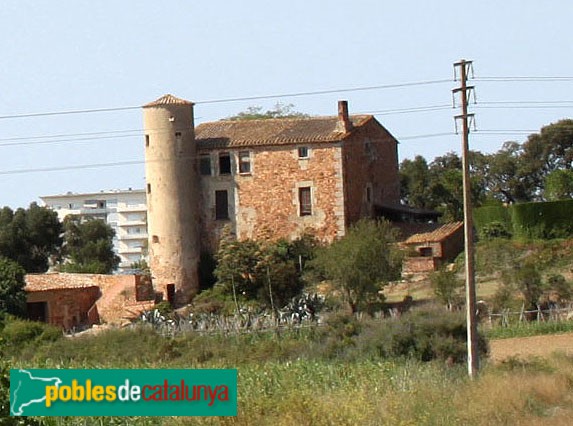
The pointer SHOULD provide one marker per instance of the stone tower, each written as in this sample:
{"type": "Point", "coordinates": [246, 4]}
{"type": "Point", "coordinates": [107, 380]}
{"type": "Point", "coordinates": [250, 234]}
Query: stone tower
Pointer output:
{"type": "Point", "coordinates": [172, 191]}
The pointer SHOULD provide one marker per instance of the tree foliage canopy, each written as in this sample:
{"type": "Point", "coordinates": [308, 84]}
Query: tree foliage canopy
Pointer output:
{"type": "Point", "coordinates": [88, 246]}
{"type": "Point", "coordinates": [266, 271]}
{"type": "Point", "coordinates": [12, 294]}
{"type": "Point", "coordinates": [279, 111]}
{"type": "Point", "coordinates": [30, 236]}
{"type": "Point", "coordinates": [540, 169]}
{"type": "Point", "coordinates": [362, 262]}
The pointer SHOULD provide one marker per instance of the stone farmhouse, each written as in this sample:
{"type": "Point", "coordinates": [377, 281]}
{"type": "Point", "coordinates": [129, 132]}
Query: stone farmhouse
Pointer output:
{"type": "Point", "coordinates": [274, 178]}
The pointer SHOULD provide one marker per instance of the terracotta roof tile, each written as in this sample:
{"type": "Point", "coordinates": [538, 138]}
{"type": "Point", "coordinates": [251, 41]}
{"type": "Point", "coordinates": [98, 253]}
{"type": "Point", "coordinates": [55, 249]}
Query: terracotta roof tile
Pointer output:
{"type": "Point", "coordinates": [284, 131]}
{"type": "Point", "coordinates": [437, 235]}
{"type": "Point", "coordinates": [168, 100]}
{"type": "Point", "coordinates": [45, 282]}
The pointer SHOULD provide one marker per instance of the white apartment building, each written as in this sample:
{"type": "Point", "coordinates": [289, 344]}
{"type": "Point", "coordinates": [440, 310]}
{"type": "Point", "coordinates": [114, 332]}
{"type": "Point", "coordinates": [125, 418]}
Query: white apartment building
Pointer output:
{"type": "Point", "coordinates": [124, 210]}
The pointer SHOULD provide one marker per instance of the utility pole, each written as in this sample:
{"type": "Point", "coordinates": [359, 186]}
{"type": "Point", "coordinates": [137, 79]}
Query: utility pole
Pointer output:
{"type": "Point", "coordinates": [471, 317]}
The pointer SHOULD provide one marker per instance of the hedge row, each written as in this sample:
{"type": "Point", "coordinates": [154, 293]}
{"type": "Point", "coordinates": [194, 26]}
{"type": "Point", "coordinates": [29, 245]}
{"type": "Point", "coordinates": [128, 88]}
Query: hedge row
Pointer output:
{"type": "Point", "coordinates": [552, 219]}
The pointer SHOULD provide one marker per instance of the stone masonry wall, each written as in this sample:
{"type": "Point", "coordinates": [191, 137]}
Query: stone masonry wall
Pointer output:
{"type": "Point", "coordinates": [68, 307]}
{"type": "Point", "coordinates": [370, 159]}
{"type": "Point", "coordinates": [264, 203]}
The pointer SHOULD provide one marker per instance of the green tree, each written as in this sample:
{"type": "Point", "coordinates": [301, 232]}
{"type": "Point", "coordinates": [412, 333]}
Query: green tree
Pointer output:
{"type": "Point", "coordinates": [12, 294]}
{"type": "Point", "coordinates": [362, 262]}
{"type": "Point", "coordinates": [527, 280]}
{"type": "Point", "coordinates": [88, 246]}
{"type": "Point", "coordinates": [414, 183]}
{"type": "Point", "coordinates": [439, 185]}
{"type": "Point", "coordinates": [446, 286]}
{"type": "Point", "coordinates": [549, 150]}
{"type": "Point", "coordinates": [558, 185]}
{"type": "Point", "coordinates": [508, 178]}
{"type": "Point", "coordinates": [263, 271]}
{"type": "Point", "coordinates": [30, 236]}
{"type": "Point", "coordinates": [256, 113]}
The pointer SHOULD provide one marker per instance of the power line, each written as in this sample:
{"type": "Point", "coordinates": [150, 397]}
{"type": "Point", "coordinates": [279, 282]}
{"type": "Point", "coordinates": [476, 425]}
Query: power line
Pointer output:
{"type": "Point", "coordinates": [524, 78]}
{"type": "Point", "coordinates": [326, 92]}
{"type": "Point", "coordinates": [48, 142]}
{"type": "Point", "coordinates": [69, 135]}
{"type": "Point", "coordinates": [299, 94]}
{"type": "Point", "coordinates": [77, 111]}
{"type": "Point", "coordinates": [428, 135]}
{"type": "Point", "coordinates": [409, 110]}
{"type": "Point", "coordinates": [225, 100]}
{"type": "Point", "coordinates": [77, 167]}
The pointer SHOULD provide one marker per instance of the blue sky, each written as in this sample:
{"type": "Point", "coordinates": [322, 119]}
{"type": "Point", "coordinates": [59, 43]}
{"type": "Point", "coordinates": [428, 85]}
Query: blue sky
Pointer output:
{"type": "Point", "coordinates": [76, 55]}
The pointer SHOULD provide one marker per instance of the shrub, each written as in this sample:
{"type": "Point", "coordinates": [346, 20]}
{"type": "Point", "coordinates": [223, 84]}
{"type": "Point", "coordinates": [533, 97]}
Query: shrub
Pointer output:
{"type": "Point", "coordinates": [339, 334]}
{"type": "Point", "coordinates": [528, 281]}
{"type": "Point", "coordinates": [486, 215]}
{"type": "Point", "coordinates": [559, 285]}
{"type": "Point", "coordinates": [494, 229]}
{"type": "Point", "coordinates": [12, 294]}
{"type": "Point", "coordinates": [20, 332]}
{"type": "Point", "coordinates": [543, 220]}
{"type": "Point", "coordinates": [446, 287]}
{"type": "Point", "coordinates": [424, 335]}
{"type": "Point", "coordinates": [362, 262]}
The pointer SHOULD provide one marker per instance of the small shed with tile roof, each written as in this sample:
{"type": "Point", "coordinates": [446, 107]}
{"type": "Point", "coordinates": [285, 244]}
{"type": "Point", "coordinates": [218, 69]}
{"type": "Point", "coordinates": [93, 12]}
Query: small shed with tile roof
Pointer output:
{"type": "Point", "coordinates": [434, 248]}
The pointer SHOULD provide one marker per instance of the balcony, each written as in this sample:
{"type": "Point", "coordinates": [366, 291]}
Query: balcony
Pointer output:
{"type": "Point", "coordinates": [130, 250]}
{"type": "Point", "coordinates": [127, 208]}
{"type": "Point", "coordinates": [141, 236]}
{"type": "Point", "coordinates": [132, 223]}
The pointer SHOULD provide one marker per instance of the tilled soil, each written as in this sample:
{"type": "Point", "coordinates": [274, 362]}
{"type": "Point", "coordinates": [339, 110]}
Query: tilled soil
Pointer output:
{"type": "Point", "coordinates": [523, 347]}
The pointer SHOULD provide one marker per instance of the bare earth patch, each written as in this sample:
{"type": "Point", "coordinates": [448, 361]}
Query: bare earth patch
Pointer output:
{"type": "Point", "coordinates": [523, 347]}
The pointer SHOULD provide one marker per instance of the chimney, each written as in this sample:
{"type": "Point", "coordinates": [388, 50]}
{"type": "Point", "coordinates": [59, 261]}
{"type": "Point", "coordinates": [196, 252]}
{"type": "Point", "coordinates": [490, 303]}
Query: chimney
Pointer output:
{"type": "Point", "coordinates": [344, 122]}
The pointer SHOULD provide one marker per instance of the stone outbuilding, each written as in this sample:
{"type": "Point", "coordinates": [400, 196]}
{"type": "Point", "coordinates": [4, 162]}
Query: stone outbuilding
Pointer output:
{"type": "Point", "coordinates": [434, 248]}
{"type": "Point", "coordinates": [75, 301]}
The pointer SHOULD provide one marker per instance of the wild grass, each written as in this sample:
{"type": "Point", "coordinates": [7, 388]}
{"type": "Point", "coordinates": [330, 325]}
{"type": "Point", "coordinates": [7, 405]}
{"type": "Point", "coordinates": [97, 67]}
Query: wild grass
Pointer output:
{"type": "Point", "coordinates": [527, 329]}
{"type": "Point", "coordinates": [326, 376]}
{"type": "Point", "coordinates": [391, 392]}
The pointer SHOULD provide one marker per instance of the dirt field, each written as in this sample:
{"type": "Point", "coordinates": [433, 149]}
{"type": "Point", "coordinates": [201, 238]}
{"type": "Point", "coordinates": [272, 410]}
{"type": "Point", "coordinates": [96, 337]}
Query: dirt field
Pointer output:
{"type": "Point", "coordinates": [523, 347]}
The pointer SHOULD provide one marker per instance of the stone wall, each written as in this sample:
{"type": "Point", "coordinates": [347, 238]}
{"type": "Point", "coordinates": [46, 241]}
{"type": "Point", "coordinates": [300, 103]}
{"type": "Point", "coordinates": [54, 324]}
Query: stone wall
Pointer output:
{"type": "Point", "coordinates": [265, 202]}
{"type": "Point", "coordinates": [370, 161]}
{"type": "Point", "coordinates": [67, 307]}
{"type": "Point", "coordinates": [417, 265]}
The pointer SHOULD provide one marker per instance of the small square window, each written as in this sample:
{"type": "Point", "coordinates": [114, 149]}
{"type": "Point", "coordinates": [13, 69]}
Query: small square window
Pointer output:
{"type": "Point", "coordinates": [303, 152]}
{"type": "Point", "coordinates": [244, 162]}
{"type": "Point", "coordinates": [305, 201]}
{"type": "Point", "coordinates": [224, 163]}
{"type": "Point", "coordinates": [205, 165]}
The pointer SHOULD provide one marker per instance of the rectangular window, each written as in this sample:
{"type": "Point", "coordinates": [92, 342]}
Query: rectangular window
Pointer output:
{"type": "Point", "coordinates": [368, 147]}
{"type": "Point", "coordinates": [146, 140]}
{"type": "Point", "coordinates": [244, 162]}
{"type": "Point", "coordinates": [368, 194]}
{"type": "Point", "coordinates": [305, 201]}
{"type": "Point", "coordinates": [303, 152]}
{"type": "Point", "coordinates": [205, 165]}
{"type": "Point", "coordinates": [224, 163]}
{"type": "Point", "coordinates": [221, 205]}
{"type": "Point", "coordinates": [149, 188]}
